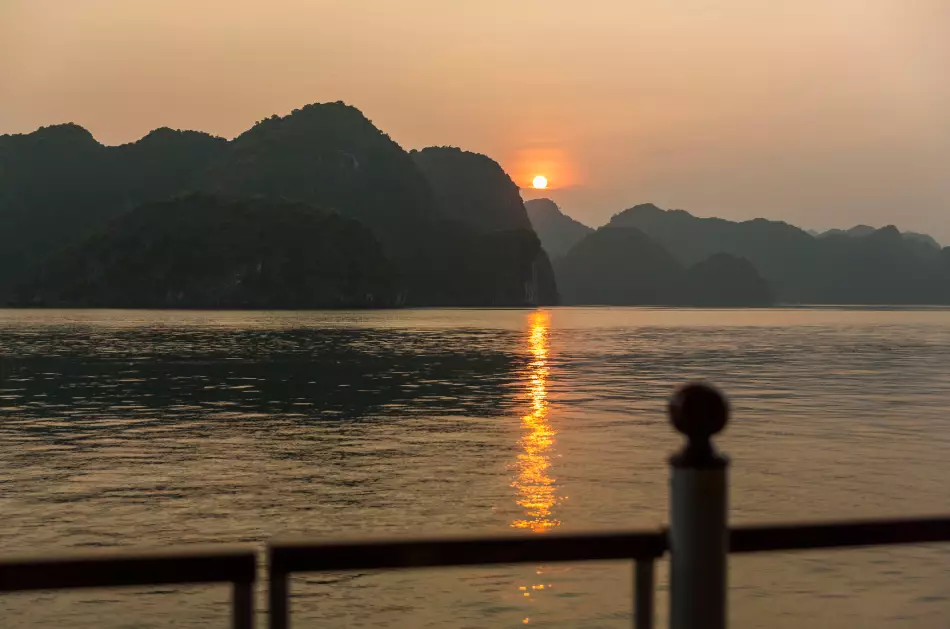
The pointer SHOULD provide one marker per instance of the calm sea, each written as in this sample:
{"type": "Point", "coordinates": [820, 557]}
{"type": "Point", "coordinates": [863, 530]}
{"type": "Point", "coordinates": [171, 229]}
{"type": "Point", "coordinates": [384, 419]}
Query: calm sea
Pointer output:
{"type": "Point", "coordinates": [139, 428]}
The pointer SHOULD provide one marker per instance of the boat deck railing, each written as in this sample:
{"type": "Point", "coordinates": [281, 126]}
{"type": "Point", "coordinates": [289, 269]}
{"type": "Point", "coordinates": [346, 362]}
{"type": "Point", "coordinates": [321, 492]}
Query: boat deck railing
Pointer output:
{"type": "Point", "coordinates": [697, 543]}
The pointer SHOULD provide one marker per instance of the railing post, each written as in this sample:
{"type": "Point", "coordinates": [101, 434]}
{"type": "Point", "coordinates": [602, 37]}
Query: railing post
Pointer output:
{"type": "Point", "coordinates": [242, 605]}
{"type": "Point", "coordinates": [643, 594]}
{"type": "Point", "coordinates": [699, 533]}
{"type": "Point", "coordinates": [278, 611]}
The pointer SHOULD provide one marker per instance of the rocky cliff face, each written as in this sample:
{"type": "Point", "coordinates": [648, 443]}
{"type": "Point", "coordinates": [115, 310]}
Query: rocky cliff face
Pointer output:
{"type": "Point", "coordinates": [473, 190]}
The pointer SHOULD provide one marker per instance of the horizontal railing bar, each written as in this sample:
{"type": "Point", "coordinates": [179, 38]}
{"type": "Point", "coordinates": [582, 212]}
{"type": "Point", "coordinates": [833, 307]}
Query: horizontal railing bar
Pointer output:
{"type": "Point", "coordinates": [306, 556]}
{"type": "Point", "coordinates": [763, 538]}
{"type": "Point", "coordinates": [107, 568]}
{"type": "Point", "coordinates": [111, 568]}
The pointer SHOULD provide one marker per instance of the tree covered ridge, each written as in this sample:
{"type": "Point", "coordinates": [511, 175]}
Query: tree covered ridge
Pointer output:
{"type": "Point", "coordinates": [203, 251]}
{"type": "Point", "coordinates": [329, 155]}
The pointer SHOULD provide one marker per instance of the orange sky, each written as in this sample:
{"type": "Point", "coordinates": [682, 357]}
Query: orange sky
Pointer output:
{"type": "Point", "coordinates": [822, 113]}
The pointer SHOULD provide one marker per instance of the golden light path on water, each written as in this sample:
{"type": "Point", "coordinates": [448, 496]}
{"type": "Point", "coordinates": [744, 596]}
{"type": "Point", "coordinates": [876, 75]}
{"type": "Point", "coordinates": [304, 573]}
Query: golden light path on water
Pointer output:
{"type": "Point", "coordinates": [537, 490]}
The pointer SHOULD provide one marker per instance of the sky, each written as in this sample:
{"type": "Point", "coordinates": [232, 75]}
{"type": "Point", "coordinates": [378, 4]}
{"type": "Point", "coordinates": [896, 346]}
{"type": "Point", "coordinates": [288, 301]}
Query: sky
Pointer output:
{"type": "Point", "coordinates": [822, 113]}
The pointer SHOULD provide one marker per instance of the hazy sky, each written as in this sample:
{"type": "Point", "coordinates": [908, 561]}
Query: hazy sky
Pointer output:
{"type": "Point", "coordinates": [824, 113]}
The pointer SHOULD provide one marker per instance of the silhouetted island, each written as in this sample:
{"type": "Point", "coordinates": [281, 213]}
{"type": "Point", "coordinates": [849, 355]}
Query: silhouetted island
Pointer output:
{"type": "Point", "coordinates": [59, 186]}
{"type": "Point", "coordinates": [83, 224]}
{"type": "Point", "coordinates": [622, 266]}
{"type": "Point", "coordinates": [880, 266]}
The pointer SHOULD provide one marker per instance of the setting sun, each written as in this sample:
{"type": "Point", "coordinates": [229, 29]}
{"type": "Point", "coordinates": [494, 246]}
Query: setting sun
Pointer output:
{"type": "Point", "coordinates": [540, 182]}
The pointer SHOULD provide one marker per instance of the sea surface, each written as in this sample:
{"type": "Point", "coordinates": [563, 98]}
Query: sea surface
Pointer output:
{"type": "Point", "coordinates": [134, 428]}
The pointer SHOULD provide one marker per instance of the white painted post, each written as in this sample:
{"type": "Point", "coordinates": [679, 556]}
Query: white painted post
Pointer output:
{"type": "Point", "coordinates": [699, 533]}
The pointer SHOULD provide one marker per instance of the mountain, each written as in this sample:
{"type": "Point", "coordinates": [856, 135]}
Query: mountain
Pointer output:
{"type": "Point", "coordinates": [201, 251]}
{"type": "Point", "coordinates": [724, 280]}
{"type": "Point", "coordinates": [328, 155]}
{"type": "Point", "coordinates": [472, 188]}
{"type": "Point", "coordinates": [926, 239]}
{"type": "Point", "coordinates": [619, 267]}
{"type": "Point", "coordinates": [622, 266]}
{"type": "Point", "coordinates": [880, 267]}
{"type": "Point", "coordinates": [558, 231]}
{"type": "Point", "coordinates": [783, 254]}
{"type": "Point", "coordinates": [58, 185]}
{"type": "Point", "coordinates": [488, 240]}
{"type": "Point", "coordinates": [860, 231]}
{"type": "Point", "coordinates": [164, 163]}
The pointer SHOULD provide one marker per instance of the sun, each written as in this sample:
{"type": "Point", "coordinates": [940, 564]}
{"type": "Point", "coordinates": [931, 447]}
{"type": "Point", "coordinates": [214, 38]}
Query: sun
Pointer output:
{"type": "Point", "coordinates": [540, 182]}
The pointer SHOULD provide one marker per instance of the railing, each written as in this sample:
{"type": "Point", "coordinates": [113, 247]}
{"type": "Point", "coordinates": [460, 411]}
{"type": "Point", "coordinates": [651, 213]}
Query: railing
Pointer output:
{"type": "Point", "coordinates": [644, 548]}
{"type": "Point", "coordinates": [220, 564]}
{"type": "Point", "coordinates": [755, 539]}
{"type": "Point", "coordinates": [698, 541]}
{"type": "Point", "coordinates": [290, 557]}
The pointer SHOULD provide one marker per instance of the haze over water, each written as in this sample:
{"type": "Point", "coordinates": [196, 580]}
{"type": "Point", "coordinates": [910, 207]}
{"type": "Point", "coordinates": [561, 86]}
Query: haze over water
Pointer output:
{"type": "Point", "coordinates": [165, 428]}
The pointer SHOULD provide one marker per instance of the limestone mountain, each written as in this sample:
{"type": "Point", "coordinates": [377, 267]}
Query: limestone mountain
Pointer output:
{"type": "Point", "coordinates": [58, 185]}
{"type": "Point", "coordinates": [558, 231]}
{"type": "Point", "coordinates": [200, 251]}
{"type": "Point", "coordinates": [328, 155]}
{"type": "Point", "coordinates": [724, 280]}
{"type": "Point", "coordinates": [926, 239]}
{"type": "Point", "coordinates": [490, 225]}
{"type": "Point", "coordinates": [622, 266]}
{"type": "Point", "coordinates": [860, 231]}
{"type": "Point", "coordinates": [877, 267]}
{"type": "Point", "coordinates": [618, 266]}
{"type": "Point", "coordinates": [472, 188]}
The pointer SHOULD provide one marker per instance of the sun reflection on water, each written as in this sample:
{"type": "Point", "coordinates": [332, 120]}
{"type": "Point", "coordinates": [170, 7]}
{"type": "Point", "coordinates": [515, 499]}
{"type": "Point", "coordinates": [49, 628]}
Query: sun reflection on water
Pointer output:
{"type": "Point", "coordinates": [537, 490]}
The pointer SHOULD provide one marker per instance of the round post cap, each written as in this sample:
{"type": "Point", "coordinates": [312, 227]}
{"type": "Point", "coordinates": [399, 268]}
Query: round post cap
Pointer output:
{"type": "Point", "coordinates": [699, 411]}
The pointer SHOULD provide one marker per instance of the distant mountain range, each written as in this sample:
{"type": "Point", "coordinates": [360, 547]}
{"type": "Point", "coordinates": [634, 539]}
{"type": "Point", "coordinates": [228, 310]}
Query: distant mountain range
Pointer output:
{"type": "Point", "coordinates": [622, 266]}
{"type": "Point", "coordinates": [860, 231]}
{"type": "Point", "coordinates": [450, 224]}
{"type": "Point", "coordinates": [863, 265]}
{"type": "Point", "coordinates": [320, 208]}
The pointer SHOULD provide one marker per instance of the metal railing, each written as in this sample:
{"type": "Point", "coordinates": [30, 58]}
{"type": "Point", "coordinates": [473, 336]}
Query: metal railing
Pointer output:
{"type": "Point", "coordinates": [698, 541]}
{"type": "Point", "coordinates": [236, 565]}
{"type": "Point", "coordinates": [644, 548]}
{"type": "Point", "coordinates": [766, 538]}
{"type": "Point", "coordinates": [289, 557]}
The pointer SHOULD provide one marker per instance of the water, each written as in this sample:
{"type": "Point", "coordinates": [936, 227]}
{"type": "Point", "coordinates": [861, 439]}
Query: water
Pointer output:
{"type": "Point", "coordinates": [167, 428]}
